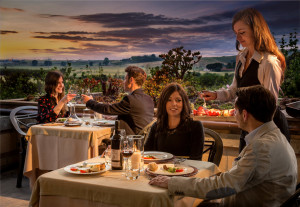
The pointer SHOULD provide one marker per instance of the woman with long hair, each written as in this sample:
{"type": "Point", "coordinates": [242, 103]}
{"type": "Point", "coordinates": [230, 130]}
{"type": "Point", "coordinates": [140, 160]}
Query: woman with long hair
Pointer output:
{"type": "Point", "coordinates": [259, 62]}
{"type": "Point", "coordinates": [53, 105]}
{"type": "Point", "coordinates": [175, 131]}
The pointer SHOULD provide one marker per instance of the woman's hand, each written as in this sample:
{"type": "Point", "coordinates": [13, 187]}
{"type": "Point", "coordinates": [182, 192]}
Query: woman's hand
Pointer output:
{"type": "Point", "coordinates": [86, 98]}
{"type": "Point", "coordinates": [160, 181]}
{"type": "Point", "coordinates": [67, 98]}
{"type": "Point", "coordinates": [208, 95]}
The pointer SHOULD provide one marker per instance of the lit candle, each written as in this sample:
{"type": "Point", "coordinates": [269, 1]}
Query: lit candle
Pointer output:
{"type": "Point", "coordinates": [136, 159]}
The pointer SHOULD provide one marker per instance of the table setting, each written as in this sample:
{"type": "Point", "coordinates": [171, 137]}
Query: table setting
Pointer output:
{"type": "Point", "coordinates": [105, 185]}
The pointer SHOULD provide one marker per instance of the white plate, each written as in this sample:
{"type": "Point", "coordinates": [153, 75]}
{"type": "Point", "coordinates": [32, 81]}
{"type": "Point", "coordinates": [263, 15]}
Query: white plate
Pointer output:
{"type": "Point", "coordinates": [161, 171]}
{"type": "Point", "coordinates": [104, 123]}
{"type": "Point", "coordinates": [160, 156]}
{"type": "Point", "coordinates": [79, 166]}
{"type": "Point", "coordinates": [61, 120]}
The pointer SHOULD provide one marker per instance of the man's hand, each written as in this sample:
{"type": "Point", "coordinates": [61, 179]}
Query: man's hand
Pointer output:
{"type": "Point", "coordinates": [86, 98]}
{"type": "Point", "coordinates": [160, 181]}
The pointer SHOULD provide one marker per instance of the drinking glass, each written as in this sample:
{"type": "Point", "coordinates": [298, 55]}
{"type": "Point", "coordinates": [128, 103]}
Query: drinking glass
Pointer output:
{"type": "Point", "coordinates": [135, 162]}
{"type": "Point", "coordinates": [127, 151]}
{"type": "Point", "coordinates": [107, 156]}
{"type": "Point", "coordinates": [73, 118]}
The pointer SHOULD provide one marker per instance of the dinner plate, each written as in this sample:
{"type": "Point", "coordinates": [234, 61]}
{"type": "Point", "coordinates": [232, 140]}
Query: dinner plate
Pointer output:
{"type": "Point", "coordinates": [61, 120]}
{"type": "Point", "coordinates": [187, 170]}
{"type": "Point", "coordinates": [80, 167]}
{"type": "Point", "coordinates": [159, 156]}
{"type": "Point", "coordinates": [104, 123]}
{"type": "Point", "coordinates": [73, 124]}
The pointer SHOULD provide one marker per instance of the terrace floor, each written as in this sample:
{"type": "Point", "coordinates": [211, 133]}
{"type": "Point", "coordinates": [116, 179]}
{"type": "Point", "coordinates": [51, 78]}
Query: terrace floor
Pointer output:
{"type": "Point", "coordinates": [10, 196]}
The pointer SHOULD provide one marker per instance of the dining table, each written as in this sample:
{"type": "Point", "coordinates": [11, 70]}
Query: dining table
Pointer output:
{"type": "Point", "coordinates": [110, 188]}
{"type": "Point", "coordinates": [52, 146]}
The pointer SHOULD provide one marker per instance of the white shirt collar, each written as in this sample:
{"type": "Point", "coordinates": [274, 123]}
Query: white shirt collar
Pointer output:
{"type": "Point", "coordinates": [256, 55]}
{"type": "Point", "coordinates": [252, 134]}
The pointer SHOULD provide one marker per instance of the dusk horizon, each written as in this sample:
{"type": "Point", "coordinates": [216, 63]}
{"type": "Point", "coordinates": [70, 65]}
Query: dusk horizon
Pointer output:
{"type": "Point", "coordinates": [93, 30]}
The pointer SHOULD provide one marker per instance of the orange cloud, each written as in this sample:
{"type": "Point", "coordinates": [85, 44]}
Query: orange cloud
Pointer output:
{"type": "Point", "coordinates": [11, 9]}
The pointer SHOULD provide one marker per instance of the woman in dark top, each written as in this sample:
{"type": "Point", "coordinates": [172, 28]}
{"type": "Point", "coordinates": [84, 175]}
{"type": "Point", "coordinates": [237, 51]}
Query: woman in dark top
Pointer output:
{"type": "Point", "coordinates": [259, 63]}
{"type": "Point", "coordinates": [175, 131]}
{"type": "Point", "coordinates": [53, 104]}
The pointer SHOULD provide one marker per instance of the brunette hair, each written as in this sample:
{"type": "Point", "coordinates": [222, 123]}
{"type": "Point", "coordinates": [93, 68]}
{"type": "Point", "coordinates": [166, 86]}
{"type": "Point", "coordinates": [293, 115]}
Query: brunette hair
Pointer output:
{"type": "Point", "coordinates": [258, 101]}
{"type": "Point", "coordinates": [51, 82]}
{"type": "Point", "coordinates": [162, 115]}
{"type": "Point", "coordinates": [263, 39]}
{"type": "Point", "coordinates": [137, 73]}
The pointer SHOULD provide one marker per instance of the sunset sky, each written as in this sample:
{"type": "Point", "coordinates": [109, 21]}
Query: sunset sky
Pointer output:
{"type": "Point", "coordinates": [93, 30]}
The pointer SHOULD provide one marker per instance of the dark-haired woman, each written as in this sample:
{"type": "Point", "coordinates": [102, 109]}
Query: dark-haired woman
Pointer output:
{"type": "Point", "coordinates": [175, 131]}
{"type": "Point", "coordinates": [259, 63]}
{"type": "Point", "coordinates": [53, 104]}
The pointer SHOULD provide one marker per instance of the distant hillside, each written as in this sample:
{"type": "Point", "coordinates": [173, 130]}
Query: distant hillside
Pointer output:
{"type": "Point", "coordinates": [113, 66]}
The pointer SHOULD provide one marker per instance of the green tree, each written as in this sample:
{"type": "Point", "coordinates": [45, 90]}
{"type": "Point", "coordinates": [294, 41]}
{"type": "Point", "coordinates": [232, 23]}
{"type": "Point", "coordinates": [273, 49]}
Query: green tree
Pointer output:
{"type": "Point", "coordinates": [291, 84]}
{"type": "Point", "coordinates": [217, 67]}
{"type": "Point", "coordinates": [178, 61]}
{"type": "Point", "coordinates": [106, 61]}
{"type": "Point", "coordinates": [34, 63]}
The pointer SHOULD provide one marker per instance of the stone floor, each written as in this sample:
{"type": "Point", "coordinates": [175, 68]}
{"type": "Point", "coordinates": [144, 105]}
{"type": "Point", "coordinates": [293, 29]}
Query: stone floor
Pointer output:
{"type": "Point", "coordinates": [10, 196]}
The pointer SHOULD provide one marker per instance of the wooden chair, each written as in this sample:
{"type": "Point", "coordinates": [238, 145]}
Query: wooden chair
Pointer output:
{"type": "Point", "coordinates": [145, 131]}
{"type": "Point", "coordinates": [22, 118]}
{"type": "Point", "coordinates": [213, 144]}
{"type": "Point", "coordinates": [293, 200]}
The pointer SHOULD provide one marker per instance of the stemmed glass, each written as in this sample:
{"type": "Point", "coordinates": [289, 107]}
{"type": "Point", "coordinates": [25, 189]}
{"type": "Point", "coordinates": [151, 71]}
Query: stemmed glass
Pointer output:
{"type": "Point", "coordinates": [73, 117]}
{"type": "Point", "coordinates": [127, 150]}
{"type": "Point", "coordinates": [86, 112]}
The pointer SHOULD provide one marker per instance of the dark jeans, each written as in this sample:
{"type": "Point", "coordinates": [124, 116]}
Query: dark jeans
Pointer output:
{"type": "Point", "coordinates": [280, 121]}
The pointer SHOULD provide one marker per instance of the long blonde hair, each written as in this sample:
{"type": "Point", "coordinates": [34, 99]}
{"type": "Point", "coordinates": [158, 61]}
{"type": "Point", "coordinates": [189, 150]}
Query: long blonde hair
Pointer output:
{"type": "Point", "coordinates": [263, 39]}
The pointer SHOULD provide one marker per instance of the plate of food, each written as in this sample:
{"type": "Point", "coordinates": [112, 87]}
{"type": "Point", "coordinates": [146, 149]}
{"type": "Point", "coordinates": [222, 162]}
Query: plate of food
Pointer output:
{"type": "Point", "coordinates": [73, 124]}
{"type": "Point", "coordinates": [155, 156]}
{"type": "Point", "coordinates": [86, 168]}
{"type": "Point", "coordinates": [155, 169]}
{"type": "Point", "coordinates": [104, 123]}
{"type": "Point", "coordinates": [60, 120]}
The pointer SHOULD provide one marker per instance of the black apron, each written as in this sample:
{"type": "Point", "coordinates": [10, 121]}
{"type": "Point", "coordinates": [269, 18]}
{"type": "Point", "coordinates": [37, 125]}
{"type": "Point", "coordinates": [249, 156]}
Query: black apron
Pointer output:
{"type": "Point", "coordinates": [250, 78]}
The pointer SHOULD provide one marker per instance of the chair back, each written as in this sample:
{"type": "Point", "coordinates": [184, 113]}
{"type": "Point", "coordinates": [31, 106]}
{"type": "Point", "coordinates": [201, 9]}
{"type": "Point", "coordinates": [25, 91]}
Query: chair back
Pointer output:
{"type": "Point", "coordinates": [213, 144]}
{"type": "Point", "coordinates": [145, 131]}
{"type": "Point", "coordinates": [23, 117]}
{"type": "Point", "coordinates": [293, 200]}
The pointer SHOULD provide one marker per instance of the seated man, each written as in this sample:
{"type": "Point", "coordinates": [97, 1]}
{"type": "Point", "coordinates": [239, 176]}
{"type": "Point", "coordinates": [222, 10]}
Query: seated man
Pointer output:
{"type": "Point", "coordinates": [265, 173]}
{"type": "Point", "coordinates": [135, 110]}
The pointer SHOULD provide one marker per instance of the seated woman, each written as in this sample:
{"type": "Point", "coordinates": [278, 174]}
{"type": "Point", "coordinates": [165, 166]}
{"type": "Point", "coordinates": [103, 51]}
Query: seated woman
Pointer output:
{"type": "Point", "coordinates": [175, 131]}
{"type": "Point", "coordinates": [53, 104]}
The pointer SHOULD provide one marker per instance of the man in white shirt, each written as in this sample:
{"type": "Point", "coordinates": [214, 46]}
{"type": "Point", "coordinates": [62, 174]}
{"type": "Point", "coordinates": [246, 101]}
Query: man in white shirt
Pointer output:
{"type": "Point", "coordinates": [265, 172]}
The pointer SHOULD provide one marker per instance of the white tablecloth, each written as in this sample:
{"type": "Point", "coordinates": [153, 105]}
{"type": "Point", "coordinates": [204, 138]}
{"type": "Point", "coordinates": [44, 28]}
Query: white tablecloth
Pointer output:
{"type": "Point", "coordinates": [60, 188]}
{"type": "Point", "coordinates": [53, 147]}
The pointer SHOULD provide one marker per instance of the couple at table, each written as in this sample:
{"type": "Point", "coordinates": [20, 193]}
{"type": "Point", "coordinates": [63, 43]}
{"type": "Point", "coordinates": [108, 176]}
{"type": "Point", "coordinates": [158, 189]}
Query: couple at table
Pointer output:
{"type": "Point", "coordinates": [134, 111]}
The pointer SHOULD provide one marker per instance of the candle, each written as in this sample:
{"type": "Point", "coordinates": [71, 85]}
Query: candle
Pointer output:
{"type": "Point", "coordinates": [135, 159]}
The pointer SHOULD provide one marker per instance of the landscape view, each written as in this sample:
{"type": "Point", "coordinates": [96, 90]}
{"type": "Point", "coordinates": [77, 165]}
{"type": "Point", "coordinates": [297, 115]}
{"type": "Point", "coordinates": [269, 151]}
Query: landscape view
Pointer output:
{"type": "Point", "coordinates": [92, 42]}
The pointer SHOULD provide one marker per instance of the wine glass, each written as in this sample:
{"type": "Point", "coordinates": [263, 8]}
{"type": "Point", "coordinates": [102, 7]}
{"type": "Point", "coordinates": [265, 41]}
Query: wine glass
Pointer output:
{"type": "Point", "coordinates": [126, 150]}
{"type": "Point", "coordinates": [74, 90]}
{"type": "Point", "coordinates": [86, 112]}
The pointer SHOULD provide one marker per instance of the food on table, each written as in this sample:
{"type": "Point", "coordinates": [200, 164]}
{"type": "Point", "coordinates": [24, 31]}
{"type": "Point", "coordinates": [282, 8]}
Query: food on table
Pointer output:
{"type": "Point", "coordinates": [173, 169]}
{"type": "Point", "coordinates": [60, 120]}
{"type": "Point", "coordinates": [153, 166]}
{"type": "Point", "coordinates": [97, 167]}
{"type": "Point", "coordinates": [213, 112]}
{"type": "Point", "coordinates": [149, 157]}
{"type": "Point", "coordinates": [88, 168]}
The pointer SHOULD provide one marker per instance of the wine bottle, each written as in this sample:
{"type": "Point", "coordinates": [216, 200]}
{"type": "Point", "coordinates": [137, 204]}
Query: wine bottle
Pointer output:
{"type": "Point", "coordinates": [116, 155]}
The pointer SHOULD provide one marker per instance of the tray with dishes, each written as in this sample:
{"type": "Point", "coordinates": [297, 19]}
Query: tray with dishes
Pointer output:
{"type": "Point", "coordinates": [155, 169]}
{"type": "Point", "coordinates": [86, 168]}
{"type": "Point", "coordinates": [107, 123]}
{"type": "Point", "coordinates": [158, 157]}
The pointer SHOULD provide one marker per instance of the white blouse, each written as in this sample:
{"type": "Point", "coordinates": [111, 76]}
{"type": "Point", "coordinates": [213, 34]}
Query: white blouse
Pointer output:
{"type": "Point", "coordinates": [269, 74]}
